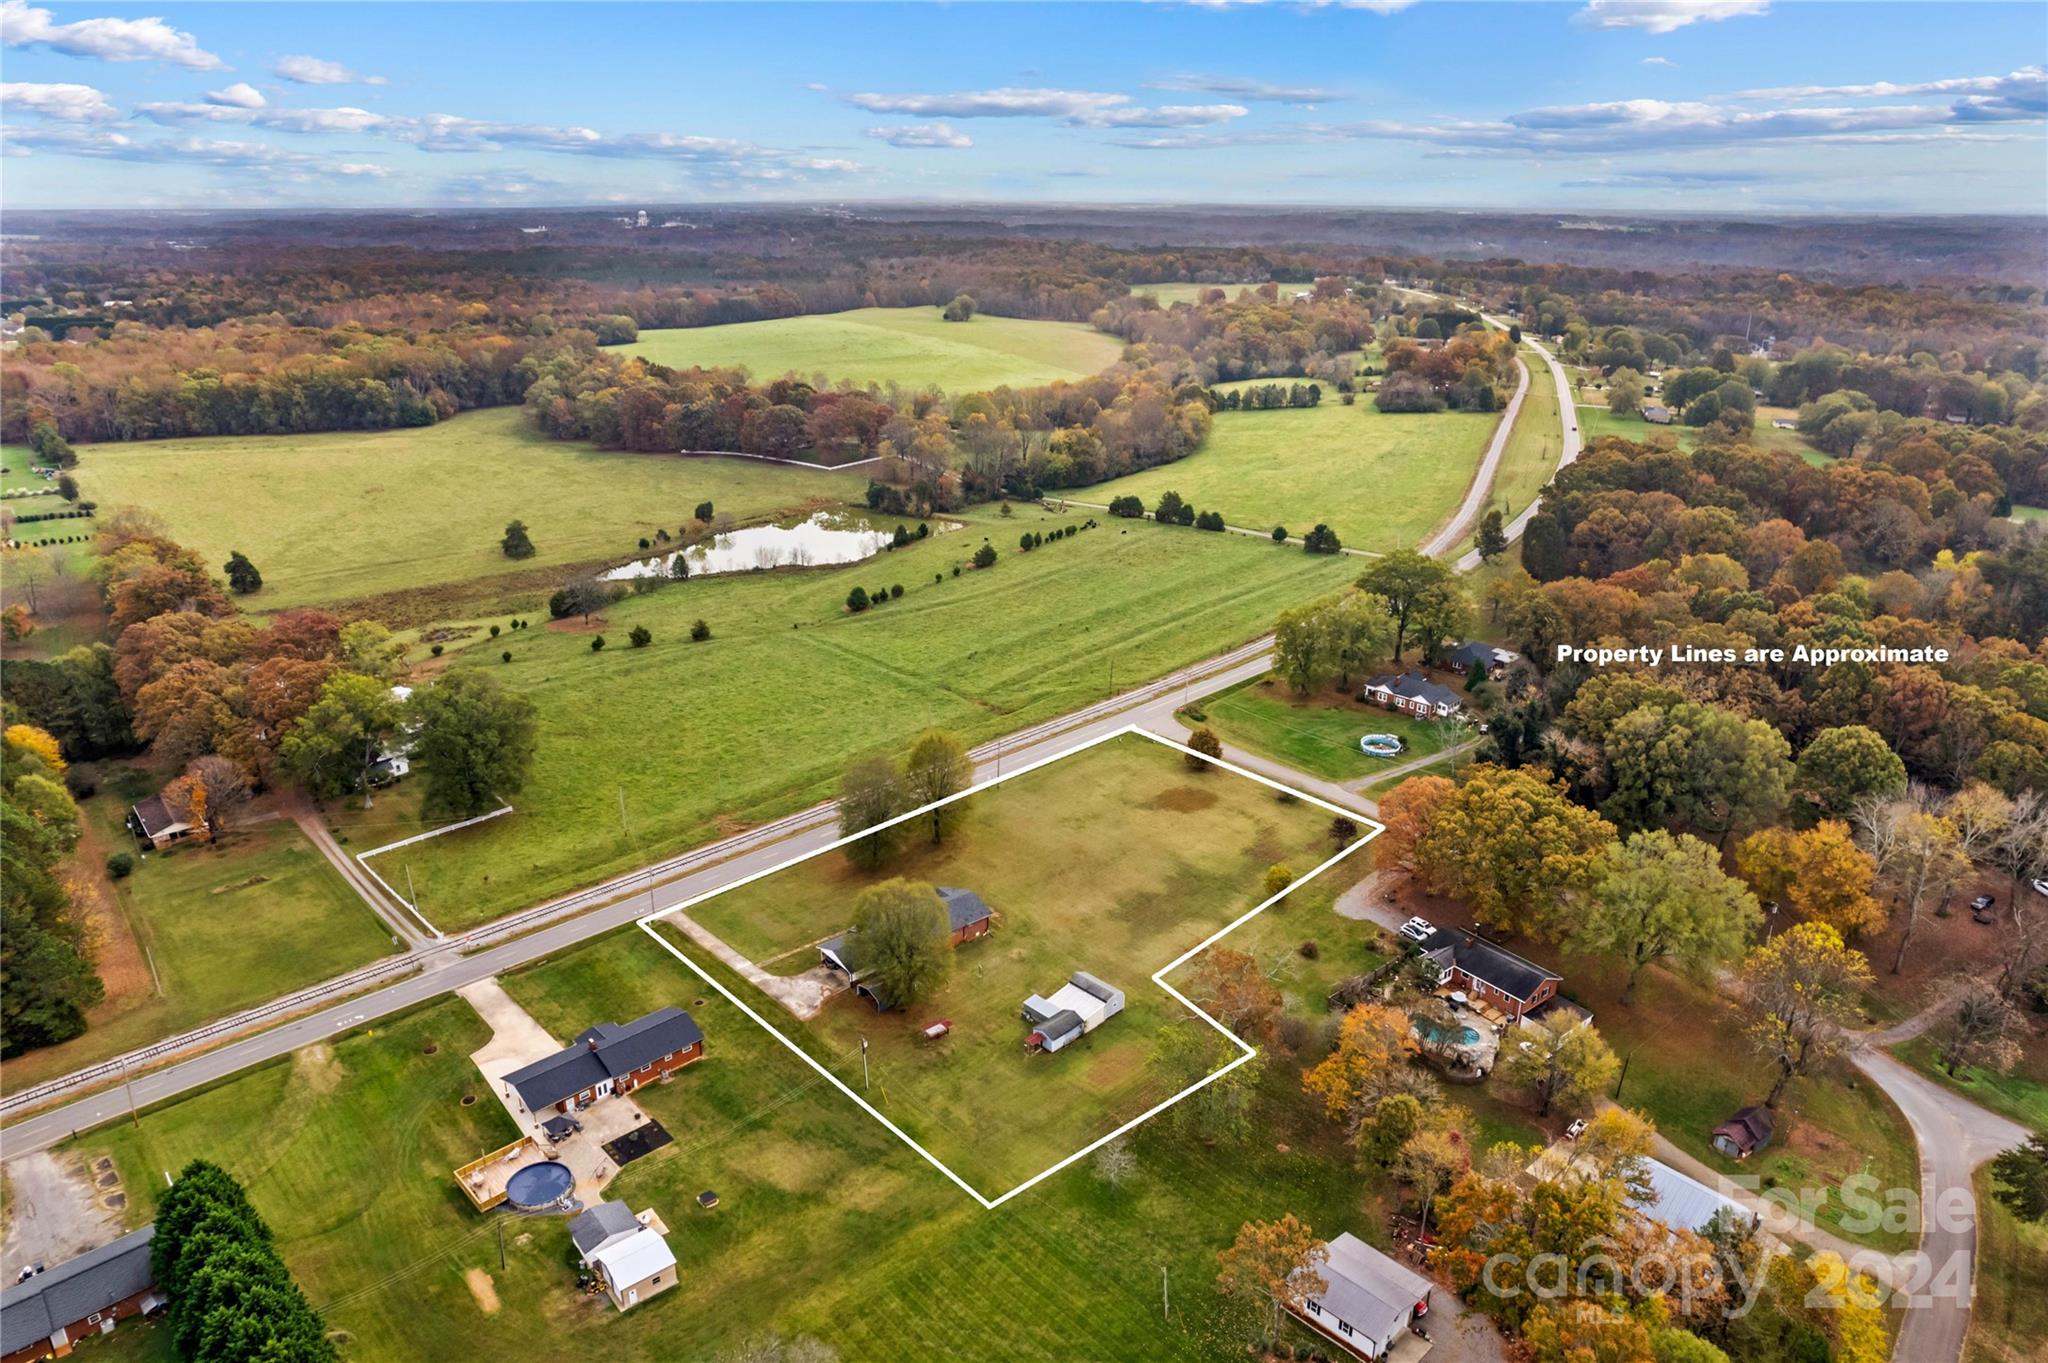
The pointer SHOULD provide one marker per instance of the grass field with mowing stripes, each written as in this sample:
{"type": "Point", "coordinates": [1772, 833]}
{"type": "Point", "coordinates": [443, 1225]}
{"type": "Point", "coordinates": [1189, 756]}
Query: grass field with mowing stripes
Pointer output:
{"type": "Point", "coordinates": [762, 718]}
{"type": "Point", "coordinates": [1380, 481]}
{"type": "Point", "coordinates": [912, 347]}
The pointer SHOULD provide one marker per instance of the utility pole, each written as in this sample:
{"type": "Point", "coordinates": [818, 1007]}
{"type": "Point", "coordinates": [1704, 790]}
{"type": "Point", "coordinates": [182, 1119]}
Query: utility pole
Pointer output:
{"type": "Point", "coordinates": [863, 1064]}
{"type": "Point", "coordinates": [410, 892]}
{"type": "Point", "coordinates": [501, 1246]}
{"type": "Point", "coordinates": [1165, 1306]}
{"type": "Point", "coordinates": [622, 813]}
{"type": "Point", "coordinates": [129, 1085]}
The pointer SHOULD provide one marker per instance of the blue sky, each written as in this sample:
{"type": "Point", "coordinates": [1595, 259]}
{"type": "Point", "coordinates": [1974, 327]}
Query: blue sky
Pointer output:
{"type": "Point", "coordinates": [1674, 105]}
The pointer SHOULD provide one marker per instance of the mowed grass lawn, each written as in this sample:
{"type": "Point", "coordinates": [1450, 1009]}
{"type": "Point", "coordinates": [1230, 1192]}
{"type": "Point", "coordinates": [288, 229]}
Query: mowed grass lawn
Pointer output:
{"type": "Point", "coordinates": [1114, 860]}
{"type": "Point", "coordinates": [826, 1224]}
{"type": "Point", "coordinates": [335, 517]}
{"type": "Point", "coordinates": [763, 717]}
{"type": "Point", "coordinates": [1595, 421]}
{"type": "Point", "coordinates": [1380, 481]}
{"type": "Point", "coordinates": [228, 925]}
{"type": "Point", "coordinates": [912, 347]}
{"type": "Point", "coordinates": [2021, 1094]}
{"type": "Point", "coordinates": [1533, 447]}
{"type": "Point", "coordinates": [1318, 733]}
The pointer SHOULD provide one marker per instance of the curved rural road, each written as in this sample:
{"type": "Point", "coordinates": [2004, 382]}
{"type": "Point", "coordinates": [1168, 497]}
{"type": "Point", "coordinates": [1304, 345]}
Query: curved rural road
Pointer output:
{"type": "Point", "coordinates": [1465, 520]}
{"type": "Point", "coordinates": [1568, 418]}
{"type": "Point", "coordinates": [1955, 1136]}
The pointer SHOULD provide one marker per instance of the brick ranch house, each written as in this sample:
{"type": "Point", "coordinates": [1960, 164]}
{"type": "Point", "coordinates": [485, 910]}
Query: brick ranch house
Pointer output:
{"type": "Point", "coordinates": [1490, 972]}
{"type": "Point", "coordinates": [1414, 694]}
{"type": "Point", "coordinates": [156, 826]}
{"type": "Point", "coordinates": [51, 1313]}
{"type": "Point", "coordinates": [608, 1060]}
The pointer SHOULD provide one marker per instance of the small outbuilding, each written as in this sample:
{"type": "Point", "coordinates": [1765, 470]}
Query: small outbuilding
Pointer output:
{"type": "Point", "coordinates": [967, 917]}
{"type": "Point", "coordinates": [1078, 1007]}
{"type": "Point", "coordinates": [1488, 657]}
{"type": "Point", "coordinates": [630, 1258]}
{"type": "Point", "coordinates": [1657, 415]}
{"type": "Point", "coordinates": [1747, 1132]}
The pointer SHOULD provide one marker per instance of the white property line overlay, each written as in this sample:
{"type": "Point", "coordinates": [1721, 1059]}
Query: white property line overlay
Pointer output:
{"type": "Point", "coordinates": [1246, 1052]}
{"type": "Point", "coordinates": [363, 860]}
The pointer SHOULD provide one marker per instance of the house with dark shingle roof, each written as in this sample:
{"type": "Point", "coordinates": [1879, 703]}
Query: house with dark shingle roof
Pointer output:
{"type": "Point", "coordinates": [1489, 971]}
{"type": "Point", "coordinates": [1747, 1132]}
{"type": "Point", "coordinates": [1412, 693]}
{"type": "Point", "coordinates": [609, 1059]}
{"type": "Point", "coordinates": [1489, 657]}
{"type": "Point", "coordinates": [155, 824]}
{"type": "Point", "coordinates": [967, 917]}
{"type": "Point", "coordinates": [45, 1316]}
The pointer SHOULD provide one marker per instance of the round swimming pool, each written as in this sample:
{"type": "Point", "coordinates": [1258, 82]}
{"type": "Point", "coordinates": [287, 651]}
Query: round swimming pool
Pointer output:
{"type": "Point", "coordinates": [539, 1185]}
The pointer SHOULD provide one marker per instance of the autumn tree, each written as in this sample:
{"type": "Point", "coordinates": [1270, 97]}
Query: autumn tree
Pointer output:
{"type": "Point", "coordinates": [1665, 898]}
{"type": "Point", "coordinates": [899, 935]}
{"type": "Point", "coordinates": [1280, 1261]}
{"type": "Point", "coordinates": [1565, 1063]}
{"type": "Point", "coordinates": [937, 768]}
{"type": "Point", "coordinates": [1847, 764]}
{"type": "Point", "coordinates": [1801, 989]}
{"type": "Point", "coordinates": [1406, 812]}
{"type": "Point", "coordinates": [1204, 748]}
{"type": "Point", "coordinates": [474, 740]}
{"type": "Point", "coordinates": [209, 787]}
{"type": "Point", "coordinates": [871, 793]}
{"type": "Point", "coordinates": [1234, 988]}
{"type": "Point", "coordinates": [1979, 1026]}
{"type": "Point", "coordinates": [1917, 851]}
{"type": "Point", "coordinates": [1371, 1041]}
{"type": "Point", "coordinates": [1515, 848]}
{"type": "Point", "coordinates": [1818, 873]}
{"type": "Point", "coordinates": [1429, 1162]}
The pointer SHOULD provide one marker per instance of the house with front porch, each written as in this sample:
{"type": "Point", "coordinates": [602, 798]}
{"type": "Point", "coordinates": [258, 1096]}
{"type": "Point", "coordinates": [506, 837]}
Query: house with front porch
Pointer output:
{"type": "Point", "coordinates": [1413, 694]}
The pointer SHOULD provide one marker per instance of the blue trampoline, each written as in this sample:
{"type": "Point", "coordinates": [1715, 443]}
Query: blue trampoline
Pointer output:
{"type": "Point", "coordinates": [539, 1185]}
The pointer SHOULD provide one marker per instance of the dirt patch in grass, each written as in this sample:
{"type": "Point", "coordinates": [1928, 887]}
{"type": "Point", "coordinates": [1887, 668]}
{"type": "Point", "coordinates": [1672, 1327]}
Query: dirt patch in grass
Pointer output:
{"type": "Point", "coordinates": [1182, 800]}
{"type": "Point", "coordinates": [789, 1167]}
{"type": "Point", "coordinates": [250, 883]}
{"type": "Point", "coordinates": [482, 1289]}
{"type": "Point", "coordinates": [117, 956]}
{"type": "Point", "coordinates": [1115, 1066]}
{"type": "Point", "coordinates": [317, 1066]}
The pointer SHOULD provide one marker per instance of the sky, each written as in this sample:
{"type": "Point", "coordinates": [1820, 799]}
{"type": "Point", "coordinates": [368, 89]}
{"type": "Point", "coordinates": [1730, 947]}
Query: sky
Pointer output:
{"type": "Point", "coordinates": [1684, 106]}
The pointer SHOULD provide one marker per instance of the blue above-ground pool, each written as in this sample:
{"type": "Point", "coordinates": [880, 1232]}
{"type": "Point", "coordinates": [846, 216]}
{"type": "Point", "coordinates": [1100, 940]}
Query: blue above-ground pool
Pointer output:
{"type": "Point", "coordinates": [539, 1185]}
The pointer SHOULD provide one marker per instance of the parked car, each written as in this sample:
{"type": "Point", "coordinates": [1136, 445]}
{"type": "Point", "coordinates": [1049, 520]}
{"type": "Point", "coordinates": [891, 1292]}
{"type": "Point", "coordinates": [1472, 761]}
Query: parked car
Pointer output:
{"type": "Point", "coordinates": [1575, 1130]}
{"type": "Point", "coordinates": [2041, 886]}
{"type": "Point", "coordinates": [1417, 929]}
{"type": "Point", "coordinates": [1980, 908]}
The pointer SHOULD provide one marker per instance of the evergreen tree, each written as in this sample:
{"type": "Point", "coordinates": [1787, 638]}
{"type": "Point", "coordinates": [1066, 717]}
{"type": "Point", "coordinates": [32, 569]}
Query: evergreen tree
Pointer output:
{"type": "Point", "coordinates": [242, 575]}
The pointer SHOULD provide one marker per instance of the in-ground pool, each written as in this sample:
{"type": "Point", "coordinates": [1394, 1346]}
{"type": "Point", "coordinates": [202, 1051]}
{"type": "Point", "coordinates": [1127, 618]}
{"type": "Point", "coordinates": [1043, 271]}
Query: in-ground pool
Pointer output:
{"type": "Point", "coordinates": [539, 1185]}
{"type": "Point", "coordinates": [1463, 1036]}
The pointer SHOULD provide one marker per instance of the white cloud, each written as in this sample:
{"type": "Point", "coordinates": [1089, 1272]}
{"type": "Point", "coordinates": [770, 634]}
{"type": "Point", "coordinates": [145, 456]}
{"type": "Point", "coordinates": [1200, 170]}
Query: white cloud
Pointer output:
{"type": "Point", "coordinates": [922, 135]}
{"type": "Point", "coordinates": [112, 40]}
{"type": "Point", "coordinates": [1075, 108]}
{"type": "Point", "coordinates": [1008, 102]}
{"type": "Point", "coordinates": [2027, 86]}
{"type": "Point", "coordinates": [365, 168]}
{"type": "Point", "coordinates": [240, 95]}
{"type": "Point", "coordinates": [1257, 91]}
{"type": "Point", "coordinates": [65, 103]}
{"type": "Point", "coordinates": [1664, 16]}
{"type": "Point", "coordinates": [301, 70]}
{"type": "Point", "coordinates": [1658, 61]}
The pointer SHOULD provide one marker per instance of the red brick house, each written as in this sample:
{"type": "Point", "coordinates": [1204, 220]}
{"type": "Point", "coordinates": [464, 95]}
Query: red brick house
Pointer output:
{"type": "Point", "coordinates": [52, 1312]}
{"type": "Point", "coordinates": [967, 917]}
{"type": "Point", "coordinates": [608, 1060]}
{"type": "Point", "coordinates": [1490, 972]}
